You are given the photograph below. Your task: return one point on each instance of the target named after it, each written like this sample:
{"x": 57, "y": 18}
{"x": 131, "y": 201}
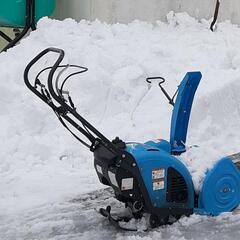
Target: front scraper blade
{"x": 124, "y": 222}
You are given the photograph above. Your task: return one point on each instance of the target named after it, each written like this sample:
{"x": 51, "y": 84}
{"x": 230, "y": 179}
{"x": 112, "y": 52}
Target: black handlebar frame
{"x": 65, "y": 110}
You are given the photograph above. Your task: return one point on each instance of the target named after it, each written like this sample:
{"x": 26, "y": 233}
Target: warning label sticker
{"x": 112, "y": 178}
{"x": 158, "y": 173}
{"x": 158, "y": 185}
{"x": 127, "y": 184}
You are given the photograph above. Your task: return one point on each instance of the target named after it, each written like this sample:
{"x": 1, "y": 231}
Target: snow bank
{"x": 40, "y": 161}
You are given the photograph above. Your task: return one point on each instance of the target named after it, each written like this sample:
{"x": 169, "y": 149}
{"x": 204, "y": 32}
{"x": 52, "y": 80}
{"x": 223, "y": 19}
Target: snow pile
{"x": 215, "y": 120}
{"x": 41, "y": 162}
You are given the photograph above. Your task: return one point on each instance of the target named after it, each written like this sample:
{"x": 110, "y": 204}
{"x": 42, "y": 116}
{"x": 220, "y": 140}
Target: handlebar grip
{"x": 40, "y": 55}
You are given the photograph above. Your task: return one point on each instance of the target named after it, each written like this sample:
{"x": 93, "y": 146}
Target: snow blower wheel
{"x": 156, "y": 221}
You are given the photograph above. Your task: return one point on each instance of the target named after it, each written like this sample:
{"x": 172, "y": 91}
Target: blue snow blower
{"x": 148, "y": 177}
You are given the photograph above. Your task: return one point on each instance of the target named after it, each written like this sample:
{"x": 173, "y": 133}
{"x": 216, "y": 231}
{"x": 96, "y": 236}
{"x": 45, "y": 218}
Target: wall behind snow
{"x": 125, "y": 11}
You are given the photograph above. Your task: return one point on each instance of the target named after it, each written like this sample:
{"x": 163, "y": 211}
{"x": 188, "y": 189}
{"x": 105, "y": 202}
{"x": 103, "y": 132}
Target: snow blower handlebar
{"x": 65, "y": 111}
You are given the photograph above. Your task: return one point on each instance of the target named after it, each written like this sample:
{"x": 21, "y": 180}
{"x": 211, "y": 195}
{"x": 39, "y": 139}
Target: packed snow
{"x": 43, "y": 167}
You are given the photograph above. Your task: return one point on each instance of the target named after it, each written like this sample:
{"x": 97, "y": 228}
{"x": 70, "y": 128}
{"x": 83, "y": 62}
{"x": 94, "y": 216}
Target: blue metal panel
{"x": 149, "y": 159}
{"x": 160, "y": 144}
{"x": 221, "y": 189}
{"x": 182, "y": 110}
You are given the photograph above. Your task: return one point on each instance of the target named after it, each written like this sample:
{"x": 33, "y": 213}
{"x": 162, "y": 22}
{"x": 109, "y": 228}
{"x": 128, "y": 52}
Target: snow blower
{"x": 147, "y": 177}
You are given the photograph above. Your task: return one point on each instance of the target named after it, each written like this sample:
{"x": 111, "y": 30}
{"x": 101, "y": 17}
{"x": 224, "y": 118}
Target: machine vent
{"x": 177, "y": 191}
